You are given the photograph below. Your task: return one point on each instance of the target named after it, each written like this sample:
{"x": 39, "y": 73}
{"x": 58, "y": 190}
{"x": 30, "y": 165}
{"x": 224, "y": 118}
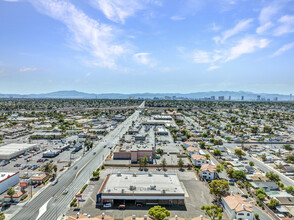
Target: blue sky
{"x": 130, "y": 46}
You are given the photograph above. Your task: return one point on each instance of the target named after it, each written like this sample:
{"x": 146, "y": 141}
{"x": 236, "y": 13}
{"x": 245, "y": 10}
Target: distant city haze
{"x": 156, "y": 46}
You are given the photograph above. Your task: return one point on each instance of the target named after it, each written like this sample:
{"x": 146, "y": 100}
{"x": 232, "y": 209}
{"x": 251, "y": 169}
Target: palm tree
{"x": 11, "y": 192}
{"x": 163, "y": 163}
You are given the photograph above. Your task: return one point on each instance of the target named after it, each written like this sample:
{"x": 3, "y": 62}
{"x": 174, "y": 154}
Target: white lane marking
{"x": 43, "y": 209}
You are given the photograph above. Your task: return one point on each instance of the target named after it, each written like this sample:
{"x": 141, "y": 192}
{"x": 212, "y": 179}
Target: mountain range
{"x": 73, "y": 94}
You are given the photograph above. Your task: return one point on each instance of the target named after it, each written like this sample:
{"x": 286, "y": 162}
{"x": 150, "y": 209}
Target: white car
{"x": 107, "y": 205}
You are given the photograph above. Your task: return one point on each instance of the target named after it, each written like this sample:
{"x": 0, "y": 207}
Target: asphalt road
{"x": 73, "y": 179}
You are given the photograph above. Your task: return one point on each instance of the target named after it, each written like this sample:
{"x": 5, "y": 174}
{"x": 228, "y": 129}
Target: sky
{"x": 136, "y": 46}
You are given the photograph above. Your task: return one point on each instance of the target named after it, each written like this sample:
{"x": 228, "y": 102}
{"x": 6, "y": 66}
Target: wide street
{"x": 52, "y": 203}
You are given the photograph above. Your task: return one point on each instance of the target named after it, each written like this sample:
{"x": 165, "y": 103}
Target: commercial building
{"x": 51, "y": 153}
{"x": 13, "y": 150}
{"x": 144, "y": 188}
{"x": 162, "y": 131}
{"x": 39, "y": 178}
{"x": 7, "y": 180}
{"x": 134, "y": 152}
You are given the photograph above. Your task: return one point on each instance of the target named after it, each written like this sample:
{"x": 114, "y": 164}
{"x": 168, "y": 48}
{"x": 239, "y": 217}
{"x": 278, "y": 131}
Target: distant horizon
{"x": 130, "y": 93}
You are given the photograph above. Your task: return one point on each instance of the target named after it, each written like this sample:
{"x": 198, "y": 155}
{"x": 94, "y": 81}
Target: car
{"x": 36, "y": 185}
{"x": 29, "y": 156}
{"x": 94, "y": 153}
{"x": 76, "y": 167}
{"x": 121, "y": 206}
{"x": 55, "y": 182}
{"x": 107, "y": 205}
{"x": 139, "y": 204}
{"x": 65, "y": 192}
{"x": 244, "y": 195}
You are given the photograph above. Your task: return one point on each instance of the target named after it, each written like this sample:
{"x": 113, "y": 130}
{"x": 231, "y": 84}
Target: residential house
{"x": 208, "y": 171}
{"x": 237, "y": 207}
{"x": 199, "y": 160}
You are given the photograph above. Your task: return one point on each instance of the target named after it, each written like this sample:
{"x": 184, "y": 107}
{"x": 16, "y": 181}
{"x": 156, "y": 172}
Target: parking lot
{"x": 196, "y": 195}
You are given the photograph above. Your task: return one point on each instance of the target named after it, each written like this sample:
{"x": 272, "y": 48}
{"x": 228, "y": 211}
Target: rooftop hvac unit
{"x": 153, "y": 187}
{"x": 122, "y": 190}
{"x": 149, "y": 174}
{"x": 165, "y": 174}
{"x": 163, "y": 191}
{"x": 118, "y": 174}
{"x": 134, "y": 174}
{"x": 132, "y": 187}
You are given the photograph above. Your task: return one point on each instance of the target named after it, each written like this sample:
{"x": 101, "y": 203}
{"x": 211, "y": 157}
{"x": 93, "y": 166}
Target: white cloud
{"x": 283, "y": 49}
{"x": 213, "y": 67}
{"x": 118, "y": 10}
{"x": 200, "y": 56}
{"x": 265, "y": 18}
{"x": 144, "y": 58}
{"x": 88, "y": 74}
{"x": 263, "y": 28}
{"x": 177, "y": 18}
{"x": 10, "y": 0}
{"x": 239, "y": 27}
{"x": 245, "y": 46}
{"x": 287, "y": 25}
{"x": 27, "y": 69}
{"x": 267, "y": 13}
{"x": 87, "y": 33}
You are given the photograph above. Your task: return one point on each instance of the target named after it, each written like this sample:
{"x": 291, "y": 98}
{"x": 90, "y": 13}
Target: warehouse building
{"x": 7, "y": 180}
{"x": 143, "y": 188}
{"x": 9, "y": 151}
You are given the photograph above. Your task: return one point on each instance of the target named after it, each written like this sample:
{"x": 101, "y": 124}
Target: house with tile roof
{"x": 208, "y": 171}
{"x": 237, "y": 207}
{"x": 199, "y": 160}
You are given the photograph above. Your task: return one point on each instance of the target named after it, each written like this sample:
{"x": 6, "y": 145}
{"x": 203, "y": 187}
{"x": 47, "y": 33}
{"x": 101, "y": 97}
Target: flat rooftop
{"x": 4, "y": 175}
{"x": 143, "y": 183}
{"x": 14, "y": 148}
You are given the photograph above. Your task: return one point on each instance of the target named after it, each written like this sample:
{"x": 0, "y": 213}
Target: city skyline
{"x": 99, "y": 46}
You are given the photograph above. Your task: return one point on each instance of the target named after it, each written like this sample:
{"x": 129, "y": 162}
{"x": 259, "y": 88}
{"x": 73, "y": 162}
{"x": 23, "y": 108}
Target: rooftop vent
{"x": 122, "y": 190}
{"x": 134, "y": 174}
{"x": 153, "y": 187}
{"x": 132, "y": 187}
{"x": 149, "y": 174}
{"x": 119, "y": 174}
{"x": 163, "y": 191}
{"x": 165, "y": 174}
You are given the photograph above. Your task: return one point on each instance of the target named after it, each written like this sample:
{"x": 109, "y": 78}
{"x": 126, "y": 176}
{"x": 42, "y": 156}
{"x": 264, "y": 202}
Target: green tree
{"x": 267, "y": 129}
{"x": 160, "y": 151}
{"x": 96, "y": 174}
{"x": 202, "y": 145}
{"x": 217, "y": 152}
{"x": 2, "y": 216}
{"x": 273, "y": 203}
{"x": 140, "y": 162}
{"x": 180, "y": 163}
{"x": 239, "y": 153}
{"x": 290, "y": 190}
{"x": 163, "y": 163}
{"x": 251, "y": 163}
{"x": 145, "y": 162}
{"x": 254, "y": 130}
{"x": 207, "y": 156}
{"x": 288, "y": 147}
{"x": 158, "y": 212}
{"x": 256, "y": 216}
{"x": 263, "y": 157}
{"x": 239, "y": 175}
{"x": 11, "y": 192}
{"x": 213, "y": 212}
{"x": 272, "y": 176}
{"x": 219, "y": 168}
{"x": 230, "y": 172}
{"x": 219, "y": 188}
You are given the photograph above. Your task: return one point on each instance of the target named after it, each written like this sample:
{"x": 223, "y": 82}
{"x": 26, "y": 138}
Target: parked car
{"x": 139, "y": 204}
{"x": 121, "y": 206}
{"x": 107, "y": 205}
{"x": 36, "y": 185}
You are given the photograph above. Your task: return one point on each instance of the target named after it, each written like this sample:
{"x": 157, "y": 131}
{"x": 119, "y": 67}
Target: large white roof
{"x": 13, "y": 148}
